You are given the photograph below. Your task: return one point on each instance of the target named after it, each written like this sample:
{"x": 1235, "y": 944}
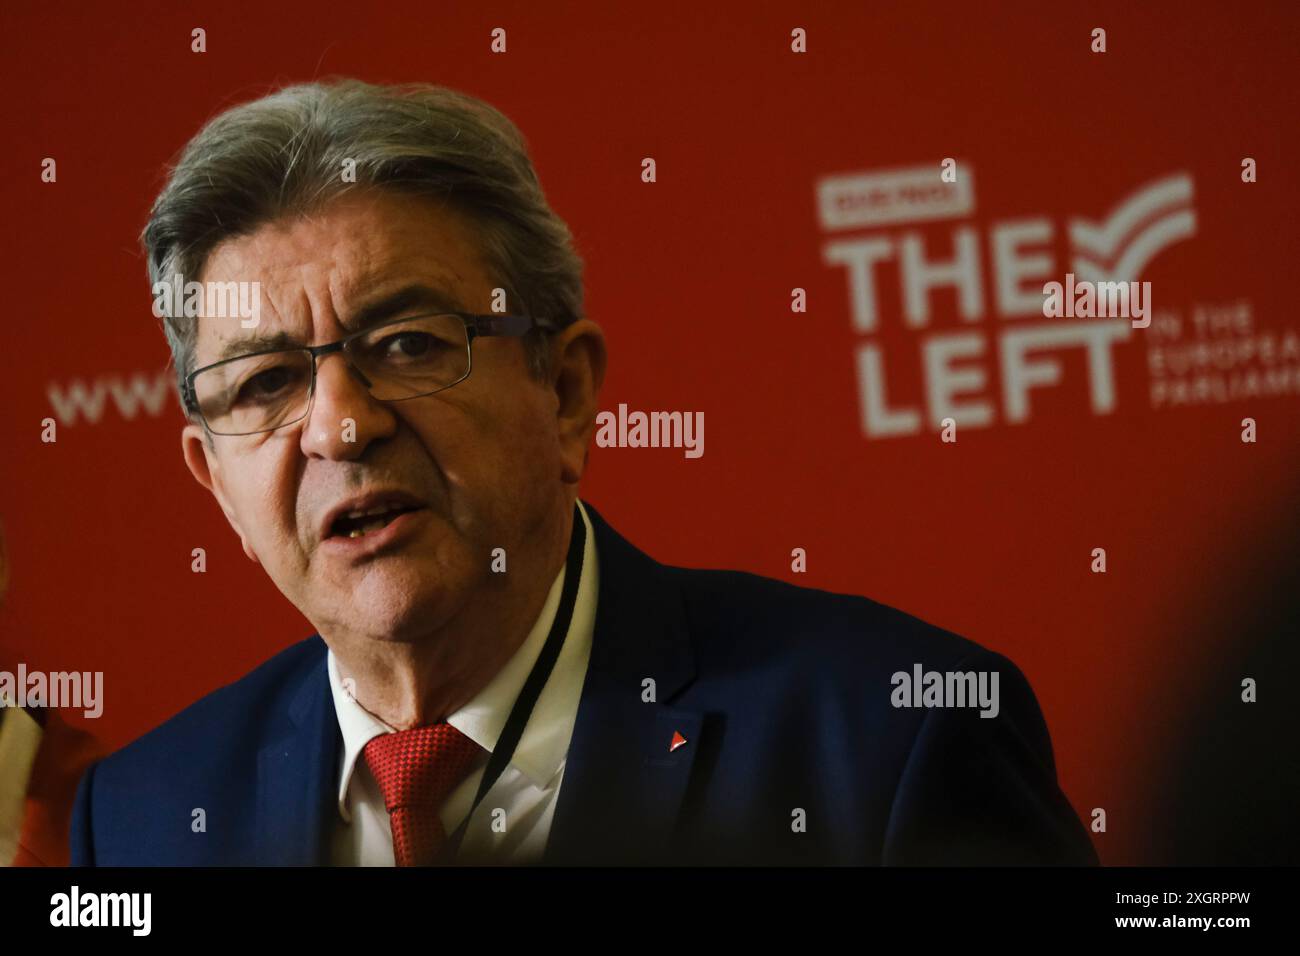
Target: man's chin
{"x": 395, "y": 604}
{"x": 392, "y": 624}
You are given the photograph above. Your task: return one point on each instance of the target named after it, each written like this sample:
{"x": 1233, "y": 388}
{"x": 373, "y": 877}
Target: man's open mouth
{"x": 356, "y": 524}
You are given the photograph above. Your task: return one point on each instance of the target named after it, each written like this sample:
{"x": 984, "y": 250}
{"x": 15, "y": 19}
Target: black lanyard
{"x": 532, "y": 689}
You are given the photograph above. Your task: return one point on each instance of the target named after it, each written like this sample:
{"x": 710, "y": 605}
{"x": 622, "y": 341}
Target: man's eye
{"x": 410, "y": 345}
{"x": 266, "y": 385}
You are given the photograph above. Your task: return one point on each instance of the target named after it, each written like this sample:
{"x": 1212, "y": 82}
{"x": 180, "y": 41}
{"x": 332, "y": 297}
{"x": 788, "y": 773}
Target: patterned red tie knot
{"x": 417, "y": 770}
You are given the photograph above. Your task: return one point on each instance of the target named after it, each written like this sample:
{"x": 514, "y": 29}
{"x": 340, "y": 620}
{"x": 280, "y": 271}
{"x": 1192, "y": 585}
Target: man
{"x": 397, "y": 435}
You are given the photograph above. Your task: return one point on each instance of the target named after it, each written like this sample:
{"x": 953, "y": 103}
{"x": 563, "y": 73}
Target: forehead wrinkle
{"x": 280, "y": 302}
{"x": 399, "y": 253}
{"x": 354, "y": 289}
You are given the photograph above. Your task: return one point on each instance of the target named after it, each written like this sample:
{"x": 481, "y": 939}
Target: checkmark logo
{"x": 1147, "y": 221}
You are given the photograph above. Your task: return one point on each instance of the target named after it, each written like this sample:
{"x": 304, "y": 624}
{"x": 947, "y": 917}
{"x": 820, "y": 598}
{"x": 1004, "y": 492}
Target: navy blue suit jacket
{"x": 794, "y": 754}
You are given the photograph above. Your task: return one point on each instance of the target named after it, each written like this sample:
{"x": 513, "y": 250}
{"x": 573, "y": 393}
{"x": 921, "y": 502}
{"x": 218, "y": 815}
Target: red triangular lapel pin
{"x": 677, "y": 741}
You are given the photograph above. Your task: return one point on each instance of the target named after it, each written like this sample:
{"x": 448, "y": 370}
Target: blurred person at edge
{"x": 41, "y": 760}
{"x": 397, "y": 438}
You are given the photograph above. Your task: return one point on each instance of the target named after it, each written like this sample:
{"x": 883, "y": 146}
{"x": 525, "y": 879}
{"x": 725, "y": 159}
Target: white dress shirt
{"x": 529, "y": 785}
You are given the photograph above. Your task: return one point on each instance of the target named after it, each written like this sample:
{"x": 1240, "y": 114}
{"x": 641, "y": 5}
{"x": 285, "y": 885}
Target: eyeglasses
{"x": 406, "y": 358}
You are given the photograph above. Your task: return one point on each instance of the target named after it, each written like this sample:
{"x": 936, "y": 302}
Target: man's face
{"x": 486, "y": 461}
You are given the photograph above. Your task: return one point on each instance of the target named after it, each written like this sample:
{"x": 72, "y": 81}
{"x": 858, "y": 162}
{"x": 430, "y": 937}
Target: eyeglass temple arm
{"x": 506, "y": 324}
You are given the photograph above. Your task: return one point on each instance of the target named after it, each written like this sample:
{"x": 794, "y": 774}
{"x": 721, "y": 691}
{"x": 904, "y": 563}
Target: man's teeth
{"x": 377, "y": 522}
{"x": 368, "y": 526}
{"x": 378, "y": 510}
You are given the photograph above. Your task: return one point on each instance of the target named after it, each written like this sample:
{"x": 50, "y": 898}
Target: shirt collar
{"x": 540, "y": 752}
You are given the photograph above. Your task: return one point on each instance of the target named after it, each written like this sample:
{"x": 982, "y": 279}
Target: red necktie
{"x": 416, "y": 770}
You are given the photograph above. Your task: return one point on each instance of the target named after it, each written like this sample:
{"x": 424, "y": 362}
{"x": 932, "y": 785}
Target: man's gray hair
{"x": 287, "y": 153}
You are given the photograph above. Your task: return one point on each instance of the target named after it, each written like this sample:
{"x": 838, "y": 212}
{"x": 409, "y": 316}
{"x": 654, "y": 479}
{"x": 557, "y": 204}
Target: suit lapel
{"x": 623, "y": 782}
{"x": 292, "y": 826}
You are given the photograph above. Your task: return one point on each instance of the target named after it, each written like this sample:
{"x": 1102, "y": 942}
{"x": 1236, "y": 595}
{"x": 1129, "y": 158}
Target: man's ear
{"x": 578, "y": 359}
{"x": 201, "y": 458}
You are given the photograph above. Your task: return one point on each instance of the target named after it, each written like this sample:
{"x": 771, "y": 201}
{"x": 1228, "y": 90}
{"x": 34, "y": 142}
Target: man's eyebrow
{"x": 265, "y": 342}
{"x": 410, "y": 298}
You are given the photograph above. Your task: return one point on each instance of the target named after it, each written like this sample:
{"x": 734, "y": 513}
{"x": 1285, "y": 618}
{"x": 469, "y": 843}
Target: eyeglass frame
{"x": 476, "y": 325}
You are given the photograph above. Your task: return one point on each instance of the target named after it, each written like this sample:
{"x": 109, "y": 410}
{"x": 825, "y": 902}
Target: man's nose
{"x": 344, "y": 417}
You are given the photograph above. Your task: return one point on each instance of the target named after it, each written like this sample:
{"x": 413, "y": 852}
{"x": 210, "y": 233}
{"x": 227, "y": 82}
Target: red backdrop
{"x": 767, "y": 164}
